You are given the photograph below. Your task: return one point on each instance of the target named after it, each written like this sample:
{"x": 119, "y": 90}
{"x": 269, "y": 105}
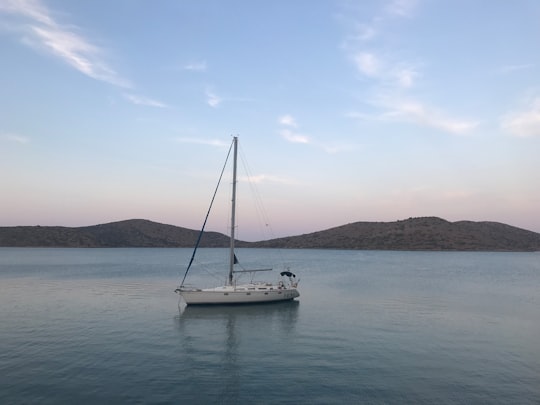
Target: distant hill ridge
{"x": 424, "y": 233}
{"x": 129, "y": 233}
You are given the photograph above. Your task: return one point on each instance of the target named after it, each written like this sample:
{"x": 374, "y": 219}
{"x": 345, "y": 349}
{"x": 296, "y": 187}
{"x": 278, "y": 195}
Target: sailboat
{"x": 232, "y": 292}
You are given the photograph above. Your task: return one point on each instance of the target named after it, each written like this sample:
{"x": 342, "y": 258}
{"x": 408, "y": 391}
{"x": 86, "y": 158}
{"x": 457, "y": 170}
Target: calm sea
{"x": 104, "y": 326}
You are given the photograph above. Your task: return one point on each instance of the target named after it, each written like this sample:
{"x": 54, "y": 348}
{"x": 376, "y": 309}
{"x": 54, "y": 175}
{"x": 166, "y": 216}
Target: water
{"x": 103, "y": 325}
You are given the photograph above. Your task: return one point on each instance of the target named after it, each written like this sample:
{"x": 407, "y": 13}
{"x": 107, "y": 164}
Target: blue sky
{"x": 346, "y": 110}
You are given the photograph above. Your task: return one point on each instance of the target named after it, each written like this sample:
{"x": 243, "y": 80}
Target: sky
{"x": 346, "y": 111}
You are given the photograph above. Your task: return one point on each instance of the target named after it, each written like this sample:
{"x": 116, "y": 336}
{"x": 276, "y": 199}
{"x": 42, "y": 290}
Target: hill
{"x": 130, "y": 233}
{"x": 426, "y": 233}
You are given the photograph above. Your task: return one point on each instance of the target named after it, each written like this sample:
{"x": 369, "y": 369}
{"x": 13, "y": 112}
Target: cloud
{"x": 367, "y": 63}
{"x": 371, "y": 53}
{"x": 524, "y": 123}
{"x": 401, "y": 8}
{"x": 260, "y": 178}
{"x": 365, "y": 32}
{"x": 390, "y": 74}
{"x": 196, "y": 66}
{"x": 338, "y": 148}
{"x": 44, "y": 33}
{"x": 362, "y": 32}
{"x": 287, "y": 120}
{"x": 14, "y": 138}
{"x": 378, "y": 68}
{"x": 417, "y": 113}
{"x": 514, "y": 68}
{"x": 290, "y": 135}
{"x": 140, "y": 100}
{"x": 405, "y": 77}
{"x": 29, "y": 8}
{"x": 212, "y": 99}
{"x": 294, "y": 137}
{"x": 199, "y": 141}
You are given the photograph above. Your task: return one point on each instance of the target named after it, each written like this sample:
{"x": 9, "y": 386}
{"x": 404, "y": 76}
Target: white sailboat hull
{"x": 232, "y": 295}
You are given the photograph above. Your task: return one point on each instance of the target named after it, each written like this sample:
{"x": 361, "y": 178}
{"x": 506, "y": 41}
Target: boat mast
{"x": 233, "y": 212}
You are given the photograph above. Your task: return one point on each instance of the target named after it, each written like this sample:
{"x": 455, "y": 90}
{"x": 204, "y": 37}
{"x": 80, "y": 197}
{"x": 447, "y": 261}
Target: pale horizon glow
{"x": 345, "y": 111}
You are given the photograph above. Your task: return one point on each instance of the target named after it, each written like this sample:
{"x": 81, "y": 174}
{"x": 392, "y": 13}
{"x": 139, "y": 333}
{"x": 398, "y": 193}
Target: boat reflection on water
{"x": 221, "y": 345}
{"x": 285, "y": 312}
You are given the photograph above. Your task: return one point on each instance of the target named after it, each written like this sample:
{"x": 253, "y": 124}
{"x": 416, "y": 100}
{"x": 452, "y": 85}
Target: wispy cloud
{"x": 200, "y": 141}
{"x": 140, "y": 100}
{"x": 260, "y": 178}
{"x": 212, "y": 99}
{"x": 43, "y": 32}
{"x": 339, "y": 147}
{"x": 524, "y": 123}
{"x": 514, "y": 68}
{"x": 405, "y": 77}
{"x": 367, "y": 63}
{"x": 391, "y": 77}
{"x": 199, "y": 66}
{"x": 7, "y": 137}
{"x": 29, "y": 8}
{"x": 294, "y": 137}
{"x": 385, "y": 71}
{"x": 419, "y": 114}
{"x": 410, "y": 111}
{"x": 287, "y": 120}
{"x": 401, "y": 8}
{"x": 364, "y": 37}
{"x": 290, "y": 133}
{"x": 362, "y": 31}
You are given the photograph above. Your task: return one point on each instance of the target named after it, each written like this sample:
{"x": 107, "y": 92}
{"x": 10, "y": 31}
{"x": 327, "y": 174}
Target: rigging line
{"x": 207, "y": 215}
{"x": 210, "y": 273}
{"x": 262, "y": 215}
